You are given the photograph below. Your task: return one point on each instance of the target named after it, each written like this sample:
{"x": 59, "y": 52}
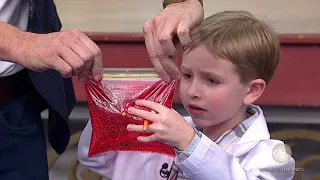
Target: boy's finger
{"x": 156, "y": 107}
{"x": 140, "y": 128}
{"x": 146, "y": 139}
{"x": 142, "y": 113}
{"x": 136, "y": 128}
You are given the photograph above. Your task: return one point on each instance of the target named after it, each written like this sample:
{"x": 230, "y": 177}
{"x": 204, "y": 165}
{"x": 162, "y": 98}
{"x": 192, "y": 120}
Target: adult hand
{"x": 168, "y": 126}
{"x": 176, "y": 19}
{"x": 70, "y": 53}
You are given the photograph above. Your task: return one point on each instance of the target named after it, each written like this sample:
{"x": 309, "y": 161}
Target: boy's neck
{"x": 215, "y": 131}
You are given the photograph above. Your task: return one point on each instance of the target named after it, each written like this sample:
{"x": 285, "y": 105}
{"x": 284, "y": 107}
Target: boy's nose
{"x": 194, "y": 90}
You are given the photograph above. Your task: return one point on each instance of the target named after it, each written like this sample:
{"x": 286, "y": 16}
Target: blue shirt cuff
{"x": 183, "y": 155}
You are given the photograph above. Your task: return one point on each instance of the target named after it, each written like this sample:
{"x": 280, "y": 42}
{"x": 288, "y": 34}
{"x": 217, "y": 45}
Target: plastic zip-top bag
{"x": 108, "y": 101}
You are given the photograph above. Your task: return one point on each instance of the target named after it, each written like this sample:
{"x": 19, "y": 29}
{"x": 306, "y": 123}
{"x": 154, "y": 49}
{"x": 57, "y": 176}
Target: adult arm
{"x": 69, "y": 52}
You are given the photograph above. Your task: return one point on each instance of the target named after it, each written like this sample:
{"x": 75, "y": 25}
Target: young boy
{"x": 232, "y": 58}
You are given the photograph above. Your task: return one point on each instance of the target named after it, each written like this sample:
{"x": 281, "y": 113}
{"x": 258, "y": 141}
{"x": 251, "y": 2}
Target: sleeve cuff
{"x": 183, "y": 155}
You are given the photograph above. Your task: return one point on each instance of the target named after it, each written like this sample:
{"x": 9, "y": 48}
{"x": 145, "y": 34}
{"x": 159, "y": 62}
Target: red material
{"x": 296, "y": 81}
{"x": 108, "y": 100}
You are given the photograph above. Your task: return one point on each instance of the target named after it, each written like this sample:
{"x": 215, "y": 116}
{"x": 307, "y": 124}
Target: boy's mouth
{"x": 195, "y": 110}
{"x": 195, "y": 107}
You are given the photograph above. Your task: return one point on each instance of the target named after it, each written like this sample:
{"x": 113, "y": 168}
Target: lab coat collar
{"x": 256, "y": 132}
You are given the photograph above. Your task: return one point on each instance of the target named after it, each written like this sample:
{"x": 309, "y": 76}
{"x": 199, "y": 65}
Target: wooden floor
{"x": 286, "y": 16}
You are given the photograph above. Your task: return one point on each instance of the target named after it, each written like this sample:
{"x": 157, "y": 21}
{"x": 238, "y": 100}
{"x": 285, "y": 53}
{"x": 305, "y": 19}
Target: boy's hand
{"x": 168, "y": 126}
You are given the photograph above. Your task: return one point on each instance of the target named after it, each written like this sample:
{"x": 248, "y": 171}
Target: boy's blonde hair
{"x": 247, "y": 42}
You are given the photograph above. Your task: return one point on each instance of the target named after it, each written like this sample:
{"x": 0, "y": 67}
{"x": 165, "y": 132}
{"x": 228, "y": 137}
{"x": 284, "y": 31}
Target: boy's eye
{"x": 212, "y": 81}
{"x": 186, "y": 76}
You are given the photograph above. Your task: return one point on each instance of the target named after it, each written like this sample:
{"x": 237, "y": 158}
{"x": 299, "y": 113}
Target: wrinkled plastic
{"x": 108, "y": 101}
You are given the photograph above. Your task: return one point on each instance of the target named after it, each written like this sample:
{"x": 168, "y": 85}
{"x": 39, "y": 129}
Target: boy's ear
{"x": 256, "y": 88}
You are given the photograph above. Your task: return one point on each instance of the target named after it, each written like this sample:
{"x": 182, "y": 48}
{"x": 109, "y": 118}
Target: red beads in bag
{"x": 108, "y": 101}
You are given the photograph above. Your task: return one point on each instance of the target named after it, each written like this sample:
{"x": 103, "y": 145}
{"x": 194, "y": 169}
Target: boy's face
{"x": 210, "y": 88}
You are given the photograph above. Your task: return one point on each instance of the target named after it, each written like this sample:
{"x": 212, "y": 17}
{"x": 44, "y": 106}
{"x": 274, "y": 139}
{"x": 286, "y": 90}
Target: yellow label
{"x": 128, "y": 75}
{"x": 129, "y": 72}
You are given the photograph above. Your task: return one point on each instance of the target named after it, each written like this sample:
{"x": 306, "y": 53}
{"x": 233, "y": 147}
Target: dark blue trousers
{"x": 22, "y": 140}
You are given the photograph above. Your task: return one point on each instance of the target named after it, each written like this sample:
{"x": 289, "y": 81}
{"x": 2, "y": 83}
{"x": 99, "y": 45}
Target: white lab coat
{"x": 208, "y": 162}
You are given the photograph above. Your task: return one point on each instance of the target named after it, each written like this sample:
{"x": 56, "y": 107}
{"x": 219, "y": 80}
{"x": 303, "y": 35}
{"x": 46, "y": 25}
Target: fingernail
{"x": 129, "y": 127}
{"x": 97, "y": 77}
{"x": 166, "y": 78}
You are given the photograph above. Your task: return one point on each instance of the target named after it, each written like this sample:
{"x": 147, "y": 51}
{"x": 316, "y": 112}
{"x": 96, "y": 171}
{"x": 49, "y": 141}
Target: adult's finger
{"x": 166, "y": 37}
{"x": 149, "y": 32}
{"x": 97, "y": 68}
{"x": 164, "y": 27}
{"x": 86, "y": 55}
{"x": 183, "y": 32}
{"x": 166, "y": 49}
{"x": 62, "y": 67}
{"x": 72, "y": 59}
{"x": 171, "y": 67}
{"x": 168, "y": 64}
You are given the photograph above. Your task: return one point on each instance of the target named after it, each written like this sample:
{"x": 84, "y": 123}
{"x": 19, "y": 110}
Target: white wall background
{"x": 286, "y": 16}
